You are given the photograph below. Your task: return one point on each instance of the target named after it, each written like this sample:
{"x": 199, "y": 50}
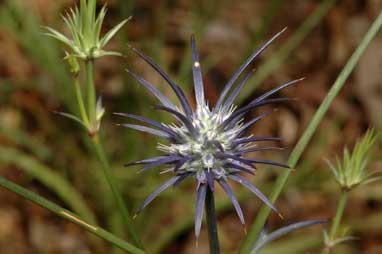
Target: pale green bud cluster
{"x": 352, "y": 171}
{"x": 85, "y": 28}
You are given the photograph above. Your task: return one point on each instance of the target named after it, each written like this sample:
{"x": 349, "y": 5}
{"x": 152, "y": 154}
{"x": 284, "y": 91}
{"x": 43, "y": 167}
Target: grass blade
{"x": 37, "y": 199}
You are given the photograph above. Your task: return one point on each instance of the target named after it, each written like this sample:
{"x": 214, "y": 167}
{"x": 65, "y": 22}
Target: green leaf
{"x": 72, "y": 117}
{"x": 54, "y": 208}
{"x": 58, "y": 36}
{"x": 98, "y": 25}
{"x": 283, "y": 231}
{"x": 112, "y": 32}
{"x": 343, "y": 239}
{"x": 49, "y": 178}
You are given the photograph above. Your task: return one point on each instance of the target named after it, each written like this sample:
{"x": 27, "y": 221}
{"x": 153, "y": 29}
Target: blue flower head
{"x": 207, "y": 144}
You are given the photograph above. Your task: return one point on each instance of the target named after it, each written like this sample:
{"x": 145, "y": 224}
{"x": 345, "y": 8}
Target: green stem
{"x": 91, "y": 95}
{"x": 116, "y": 193}
{"x": 336, "y": 222}
{"x": 339, "y": 213}
{"x": 211, "y": 223}
{"x": 307, "y": 135}
{"x": 80, "y": 101}
{"x": 114, "y": 240}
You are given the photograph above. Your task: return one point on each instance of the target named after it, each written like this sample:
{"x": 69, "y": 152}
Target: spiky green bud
{"x": 85, "y": 28}
{"x": 351, "y": 171}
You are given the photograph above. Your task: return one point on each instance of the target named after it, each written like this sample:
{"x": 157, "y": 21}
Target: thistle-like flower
{"x": 85, "y": 29}
{"x": 207, "y": 144}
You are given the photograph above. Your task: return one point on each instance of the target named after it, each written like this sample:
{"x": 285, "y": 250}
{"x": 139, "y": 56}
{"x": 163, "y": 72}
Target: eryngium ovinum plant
{"x": 350, "y": 172}
{"x": 207, "y": 144}
{"x": 86, "y": 44}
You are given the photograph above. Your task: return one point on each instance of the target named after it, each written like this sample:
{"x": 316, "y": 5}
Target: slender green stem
{"x": 307, "y": 135}
{"x": 211, "y": 223}
{"x": 101, "y": 155}
{"x": 54, "y": 208}
{"x": 91, "y": 95}
{"x": 116, "y": 193}
{"x": 80, "y": 101}
{"x": 337, "y": 219}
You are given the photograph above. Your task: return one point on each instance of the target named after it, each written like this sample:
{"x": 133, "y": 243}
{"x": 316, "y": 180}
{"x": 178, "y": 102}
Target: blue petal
{"x": 238, "y": 114}
{"x": 256, "y": 191}
{"x": 180, "y": 116}
{"x": 151, "y": 122}
{"x": 200, "y": 201}
{"x": 234, "y": 201}
{"x": 253, "y": 139}
{"x": 253, "y": 121}
{"x": 236, "y": 91}
{"x": 148, "y": 130}
{"x": 236, "y": 75}
{"x": 179, "y": 93}
{"x": 182, "y": 178}
{"x": 275, "y": 90}
{"x": 160, "y": 189}
{"x": 153, "y": 90}
{"x": 256, "y": 149}
{"x": 197, "y": 74}
{"x": 269, "y": 163}
{"x": 239, "y": 167}
{"x": 145, "y": 161}
{"x": 166, "y": 160}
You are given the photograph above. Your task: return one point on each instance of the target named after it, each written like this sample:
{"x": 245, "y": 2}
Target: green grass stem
{"x": 54, "y": 208}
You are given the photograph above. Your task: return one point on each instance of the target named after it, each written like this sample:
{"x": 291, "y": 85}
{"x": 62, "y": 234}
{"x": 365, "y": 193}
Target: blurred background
{"x": 49, "y": 155}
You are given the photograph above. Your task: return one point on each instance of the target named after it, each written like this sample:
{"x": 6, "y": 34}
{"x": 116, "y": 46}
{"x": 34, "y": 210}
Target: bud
{"x": 352, "y": 170}
{"x": 85, "y": 29}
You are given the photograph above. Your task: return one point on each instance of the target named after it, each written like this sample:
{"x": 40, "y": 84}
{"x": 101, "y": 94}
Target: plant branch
{"x": 115, "y": 191}
{"x": 307, "y": 135}
{"x": 91, "y": 95}
{"x": 80, "y": 101}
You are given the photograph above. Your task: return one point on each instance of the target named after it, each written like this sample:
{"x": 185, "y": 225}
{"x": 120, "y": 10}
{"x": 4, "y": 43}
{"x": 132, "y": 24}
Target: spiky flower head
{"x": 352, "y": 171}
{"x": 85, "y": 29}
{"x": 207, "y": 144}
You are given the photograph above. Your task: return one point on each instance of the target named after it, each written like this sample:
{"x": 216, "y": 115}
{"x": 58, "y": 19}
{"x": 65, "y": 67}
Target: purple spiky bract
{"x": 207, "y": 144}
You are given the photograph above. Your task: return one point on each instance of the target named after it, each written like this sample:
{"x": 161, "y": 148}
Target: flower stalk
{"x": 91, "y": 95}
{"x": 101, "y": 155}
{"x": 211, "y": 223}
{"x": 350, "y": 173}
{"x": 86, "y": 45}
{"x": 339, "y": 213}
{"x": 80, "y": 100}
{"x": 336, "y": 222}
